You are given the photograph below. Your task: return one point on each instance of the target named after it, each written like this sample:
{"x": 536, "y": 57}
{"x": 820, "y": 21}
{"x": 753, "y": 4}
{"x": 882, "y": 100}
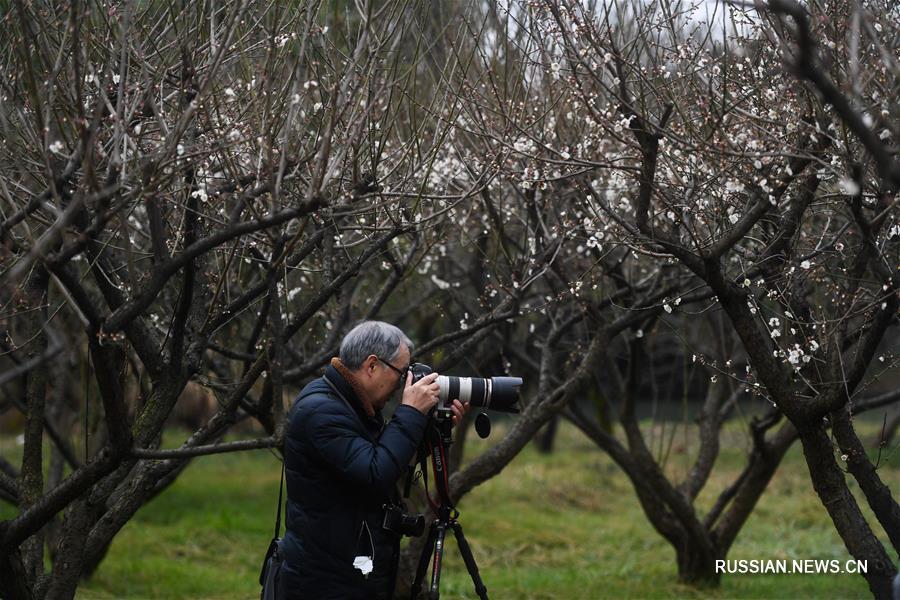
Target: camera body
{"x": 398, "y": 521}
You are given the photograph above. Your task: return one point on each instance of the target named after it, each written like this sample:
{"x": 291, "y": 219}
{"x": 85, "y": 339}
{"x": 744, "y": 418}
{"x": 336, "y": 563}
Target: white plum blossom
{"x": 56, "y": 147}
{"x": 848, "y": 186}
{"x": 554, "y": 69}
{"x": 440, "y": 283}
{"x": 733, "y": 186}
{"x": 525, "y": 146}
{"x": 796, "y": 355}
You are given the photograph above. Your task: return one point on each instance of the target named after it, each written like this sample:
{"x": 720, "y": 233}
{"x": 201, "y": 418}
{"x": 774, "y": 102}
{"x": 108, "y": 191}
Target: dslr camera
{"x": 494, "y": 393}
{"x": 398, "y": 521}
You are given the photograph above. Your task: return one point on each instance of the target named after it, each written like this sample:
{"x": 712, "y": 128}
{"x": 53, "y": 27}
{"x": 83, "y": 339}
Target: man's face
{"x": 387, "y": 376}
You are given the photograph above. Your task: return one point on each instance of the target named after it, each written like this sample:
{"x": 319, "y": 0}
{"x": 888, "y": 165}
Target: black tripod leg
{"x": 466, "y": 552}
{"x": 435, "y": 592}
{"x": 422, "y": 567}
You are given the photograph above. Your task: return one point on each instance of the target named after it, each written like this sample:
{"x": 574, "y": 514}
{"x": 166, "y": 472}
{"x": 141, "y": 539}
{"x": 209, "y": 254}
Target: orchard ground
{"x": 564, "y": 525}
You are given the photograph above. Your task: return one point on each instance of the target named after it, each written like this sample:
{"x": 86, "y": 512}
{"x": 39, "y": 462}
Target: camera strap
{"x": 410, "y": 475}
{"x": 280, "y": 496}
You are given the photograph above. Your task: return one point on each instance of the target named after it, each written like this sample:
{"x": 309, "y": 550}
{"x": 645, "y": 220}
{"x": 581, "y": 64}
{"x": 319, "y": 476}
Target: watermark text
{"x": 804, "y": 566}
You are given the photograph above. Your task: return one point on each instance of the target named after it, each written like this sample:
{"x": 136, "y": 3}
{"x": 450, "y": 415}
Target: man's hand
{"x": 423, "y": 395}
{"x": 459, "y": 410}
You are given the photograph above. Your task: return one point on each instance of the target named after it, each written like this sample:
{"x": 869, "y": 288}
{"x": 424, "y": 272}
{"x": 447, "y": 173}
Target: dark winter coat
{"x": 342, "y": 464}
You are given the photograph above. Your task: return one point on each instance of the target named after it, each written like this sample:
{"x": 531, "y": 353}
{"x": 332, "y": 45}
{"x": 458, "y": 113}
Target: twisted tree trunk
{"x": 831, "y": 486}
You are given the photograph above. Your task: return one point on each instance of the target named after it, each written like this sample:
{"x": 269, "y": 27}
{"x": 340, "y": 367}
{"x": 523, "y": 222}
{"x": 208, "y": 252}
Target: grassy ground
{"x": 560, "y": 526}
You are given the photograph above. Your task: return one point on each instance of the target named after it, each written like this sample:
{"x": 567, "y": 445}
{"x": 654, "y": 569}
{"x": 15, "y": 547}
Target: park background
{"x": 677, "y": 221}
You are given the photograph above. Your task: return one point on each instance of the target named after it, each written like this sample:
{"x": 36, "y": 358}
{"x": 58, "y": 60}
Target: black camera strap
{"x": 280, "y": 497}
{"x": 410, "y": 475}
{"x": 272, "y": 561}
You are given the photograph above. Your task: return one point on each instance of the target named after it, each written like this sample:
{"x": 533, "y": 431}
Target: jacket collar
{"x": 342, "y": 379}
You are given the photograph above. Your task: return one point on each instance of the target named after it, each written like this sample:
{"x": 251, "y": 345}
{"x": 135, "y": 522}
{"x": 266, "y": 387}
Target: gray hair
{"x": 372, "y": 337}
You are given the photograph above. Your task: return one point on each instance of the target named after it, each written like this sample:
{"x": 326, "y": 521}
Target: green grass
{"x": 566, "y": 525}
{"x": 203, "y": 538}
{"x": 569, "y": 526}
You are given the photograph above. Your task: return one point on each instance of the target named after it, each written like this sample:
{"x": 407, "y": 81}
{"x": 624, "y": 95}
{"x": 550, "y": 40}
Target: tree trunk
{"x": 13, "y": 584}
{"x": 696, "y": 566}
{"x": 102, "y": 536}
{"x": 742, "y": 496}
{"x": 695, "y": 549}
{"x": 32, "y": 485}
{"x": 70, "y": 553}
{"x": 62, "y": 411}
{"x": 877, "y": 493}
{"x": 548, "y": 436}
{"x": 829, "y": 483}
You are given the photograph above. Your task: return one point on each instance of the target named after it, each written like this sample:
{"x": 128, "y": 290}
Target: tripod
{"x": 439, "y": 440}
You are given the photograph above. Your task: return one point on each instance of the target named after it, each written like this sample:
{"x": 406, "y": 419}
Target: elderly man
{"x": 343, "y": 463}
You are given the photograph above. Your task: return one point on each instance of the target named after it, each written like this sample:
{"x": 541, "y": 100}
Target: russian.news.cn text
{"x": 807, "y": 566}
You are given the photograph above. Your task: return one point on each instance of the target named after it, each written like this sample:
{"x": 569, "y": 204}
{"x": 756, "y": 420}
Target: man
{"x": 342, "y": 464}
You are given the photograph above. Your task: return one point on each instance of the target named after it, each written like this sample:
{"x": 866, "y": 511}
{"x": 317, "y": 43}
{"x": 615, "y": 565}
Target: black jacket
{"x": 341, "y": 467}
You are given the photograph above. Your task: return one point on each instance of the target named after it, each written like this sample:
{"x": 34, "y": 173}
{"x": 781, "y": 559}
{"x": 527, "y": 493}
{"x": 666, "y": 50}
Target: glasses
{"x": 401, "y": 372}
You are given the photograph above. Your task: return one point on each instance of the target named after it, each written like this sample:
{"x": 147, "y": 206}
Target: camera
{"x": 496, "y": 393}
{"x": 397, "y": 521}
